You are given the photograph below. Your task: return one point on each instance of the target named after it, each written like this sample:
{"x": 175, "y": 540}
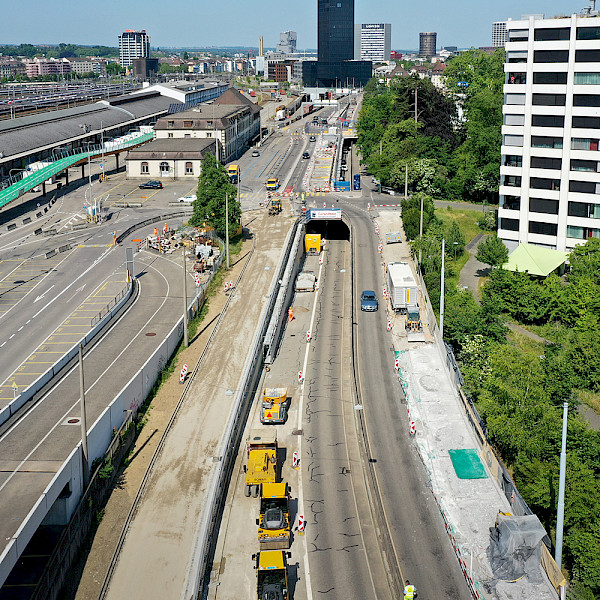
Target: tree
{"x": 411, "y": 214}
{"x": 585, "y": 261}
{"x": 455, "y": 240}
{"x": 186, "y": 56}
{"x": 492, "y": 251}
{"x": 114, "y": 68}
{"x": 209, "y": 206}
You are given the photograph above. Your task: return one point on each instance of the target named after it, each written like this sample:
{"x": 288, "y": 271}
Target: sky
{"x": 197, "y": 23}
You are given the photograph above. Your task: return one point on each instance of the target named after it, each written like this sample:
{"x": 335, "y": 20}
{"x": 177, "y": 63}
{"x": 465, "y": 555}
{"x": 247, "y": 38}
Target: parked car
{"x": 151, "y": 185}
{"x": 305, "y": 155}
{"x": 255, "y": 153}
{"x": 368, "y": 301}
{"x": 187, "y": 199}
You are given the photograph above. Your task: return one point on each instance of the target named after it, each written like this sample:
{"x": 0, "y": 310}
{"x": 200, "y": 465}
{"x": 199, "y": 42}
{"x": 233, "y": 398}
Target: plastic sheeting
{"x": 515, "y": 548}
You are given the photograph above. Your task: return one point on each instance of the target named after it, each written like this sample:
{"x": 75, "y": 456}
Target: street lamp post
{"x": 455, "y": 245}
{"x": 90, "y": 174}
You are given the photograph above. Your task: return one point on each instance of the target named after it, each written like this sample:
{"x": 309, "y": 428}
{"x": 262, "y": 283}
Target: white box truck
{"x": 402, "y": 286}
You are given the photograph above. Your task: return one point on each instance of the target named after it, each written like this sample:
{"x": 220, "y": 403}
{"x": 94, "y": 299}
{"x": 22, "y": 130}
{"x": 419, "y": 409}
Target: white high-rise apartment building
{"x": 133, "y": 44}
{"x": 499, "y": 34}
{"x": 373, "y": 41}
{"x": 550, "y": 173}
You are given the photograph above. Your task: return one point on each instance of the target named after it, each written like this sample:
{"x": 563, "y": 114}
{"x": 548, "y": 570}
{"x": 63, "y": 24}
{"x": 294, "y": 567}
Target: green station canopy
{"x": 535, "y": 260}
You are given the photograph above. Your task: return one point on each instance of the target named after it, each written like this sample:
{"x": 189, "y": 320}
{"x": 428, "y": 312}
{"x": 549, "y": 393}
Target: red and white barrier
{"x": 389, "y": 325}
{"x": 231, "y": 285}
{"x": 300, "y": 377}
{"x": 412, "y": 428}
{"x": 301, "y": 524}
{"x": 183, "y": 373}
{"x": 321, "y": 259}
{"x": 380, "y": 248}
{"x": 226, "y": 287}
{"x": 397, "y": 364}
{"x": 316, "y": 285}
{"x": 295, "y": 460}
{"x": 308, "y": 336}
{"x": 197, "y": 279}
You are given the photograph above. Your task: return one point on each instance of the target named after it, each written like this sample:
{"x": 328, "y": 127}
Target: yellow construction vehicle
{"x": 274, "y": 406}
{"x": 271, "y": 574}
{"x": 272, "y": 183}
{"x": 262, "y": 460}
{"x": 275, "y": 206}
{"x": 312, "y": 243}
{"x": 274, "y": 521}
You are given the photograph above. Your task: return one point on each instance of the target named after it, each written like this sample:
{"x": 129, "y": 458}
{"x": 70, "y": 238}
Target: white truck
{"x": 402, "y": 286}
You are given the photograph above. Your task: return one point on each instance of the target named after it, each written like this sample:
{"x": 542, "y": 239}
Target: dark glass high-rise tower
{"x": 335, "y": 65}
{"x": 335, "y": 30}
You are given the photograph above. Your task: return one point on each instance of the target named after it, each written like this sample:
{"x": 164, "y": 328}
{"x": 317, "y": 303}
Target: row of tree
{"x": 450, "y": 142}
{"x": 58, "y": 51}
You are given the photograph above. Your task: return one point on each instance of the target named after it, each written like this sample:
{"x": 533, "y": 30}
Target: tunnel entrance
{"x": 331, "y": 229}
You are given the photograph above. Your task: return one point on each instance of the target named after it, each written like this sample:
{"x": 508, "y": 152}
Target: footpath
{"x": 154, "y": 559}
{"x": 469, "y": 506}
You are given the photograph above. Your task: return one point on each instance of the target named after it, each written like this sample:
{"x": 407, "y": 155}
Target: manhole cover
{"x": 72, "y": 421}
{"x": 150, "y": 334}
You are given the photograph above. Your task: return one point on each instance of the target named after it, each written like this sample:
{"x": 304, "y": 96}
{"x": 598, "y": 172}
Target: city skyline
{"x": 63, "y": 21}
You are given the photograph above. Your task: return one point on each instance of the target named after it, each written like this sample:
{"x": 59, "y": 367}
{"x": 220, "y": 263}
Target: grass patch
{"x": 466, "y": 219}
{"x": 525, "y": 344}
{"x": 591, "y": 399}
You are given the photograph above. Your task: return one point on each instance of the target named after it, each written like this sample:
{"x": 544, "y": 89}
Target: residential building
{"x": 287, "y": 42}
{"x": 38, "y": 67}
{"x": 86, "y": 65}
{"x": 10, "y": 67}
{"x": 133, "y": 44}
{"x": 499, "y": 34}
{"x": 232, "y": 120}
{"x": 427, "y": 44}
{"x": 335, "y": 37}
{"x": 373, "y": 41}
{"x": 550, "y": 173}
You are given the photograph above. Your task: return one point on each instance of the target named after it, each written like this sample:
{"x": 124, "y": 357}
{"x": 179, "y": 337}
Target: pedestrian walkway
{"x": 474, "y": 270}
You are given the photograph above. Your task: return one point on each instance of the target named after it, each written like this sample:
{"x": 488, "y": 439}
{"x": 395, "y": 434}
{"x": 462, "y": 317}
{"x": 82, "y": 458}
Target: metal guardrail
{"x": 18, "y": 185}
{"x": 106, "y": 309}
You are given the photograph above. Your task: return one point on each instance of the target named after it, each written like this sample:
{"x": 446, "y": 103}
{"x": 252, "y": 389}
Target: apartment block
{"x": 373, "y": 41}
{"x": 499, "y": 34}
{"x": 550, "y": 170}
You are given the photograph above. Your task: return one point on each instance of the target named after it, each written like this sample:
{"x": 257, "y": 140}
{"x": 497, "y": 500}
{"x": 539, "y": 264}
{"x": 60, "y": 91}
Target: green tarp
{"x": 467, "y": 464}
{"x": 535, "y": 260}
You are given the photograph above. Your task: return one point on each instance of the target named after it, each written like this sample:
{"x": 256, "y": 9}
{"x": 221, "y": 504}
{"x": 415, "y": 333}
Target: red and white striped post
{"x": 300, "y": 377}
{"x": 389, "y": 325}
{"x": 183, "y": 373}
{"x": 295, "y": 460}
{"x": 308, "y": 336}
{"x": 301, "y": 524}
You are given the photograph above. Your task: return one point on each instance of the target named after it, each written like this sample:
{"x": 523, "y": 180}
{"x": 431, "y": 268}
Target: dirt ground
{"x": 87, "y": 577}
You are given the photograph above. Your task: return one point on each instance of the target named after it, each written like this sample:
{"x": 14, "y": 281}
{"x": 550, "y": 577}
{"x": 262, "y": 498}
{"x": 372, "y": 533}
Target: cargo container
{"x": 402, "y": 286}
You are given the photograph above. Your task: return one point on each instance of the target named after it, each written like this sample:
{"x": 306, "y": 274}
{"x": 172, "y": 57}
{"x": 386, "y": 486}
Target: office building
{"x": 550, "y": 174}
{"x": 133, "y": 44}
{"x": 427, "y": 44}
{"x": 287, "y": 42}
{"x": 499, "y": 34}
{"x": 373, "y": 41}
{"x": 335, "y": 36}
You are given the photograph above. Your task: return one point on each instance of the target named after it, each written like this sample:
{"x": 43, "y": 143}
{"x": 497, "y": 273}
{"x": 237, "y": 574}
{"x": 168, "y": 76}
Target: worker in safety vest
{"x": 410, "y": 591}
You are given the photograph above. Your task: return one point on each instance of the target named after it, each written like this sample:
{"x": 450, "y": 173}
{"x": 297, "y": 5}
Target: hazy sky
{"x": 174, "y": 23}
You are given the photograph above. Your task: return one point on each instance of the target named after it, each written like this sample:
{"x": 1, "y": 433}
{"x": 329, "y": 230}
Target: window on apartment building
{"x": 541, "y": 183}
{"x": 586, "y": 79}
{"x": 509, "y": 224}
{"x": 516, "y": 57}
{"x": 582, "y": 233}
{"x": 553, "y": 33}
{"x": 518, "y": 78}
{"x": 187, "y": 135}
{"x": 587, "y": 56}
{"x": 584, "y": 144}
{"x": 541, "y": 162}
{"x": 169, "y": 135}
{"x": 584, "y": 187}
{"x": 144, "y": 168}
{"x": 588, "y": 33}
{"x": 512, "y": 180}
{"x": 549, "y": 78}
{"x": 512, "y": 160}
{"x": 518, "y": 35}
{"x": 546, "y": 141}
{"x": 514, "y": 119}
{"x": 542, "y": 205}
{"x": 550, "y": 56}
{"x": 511, "y": 202}
{"x": 549, "y": 99}
{"x": 188, "y": 124}
{"x": 586, "y": 166}
{"x": 586, "y": 122}
{"x": 543, "y": 228}
{"x": 513, "y": 140}
{"x": 586, "y": 100}
{"x": 171, "y": 124}
{"x": 584, "y": 209}
{"x": 209, "y": 123}
{"x": 547, "y": 120}
{"x": 518, "y": 99}
{"x": 209, "y": 134}
{"x": 189, "y": 168}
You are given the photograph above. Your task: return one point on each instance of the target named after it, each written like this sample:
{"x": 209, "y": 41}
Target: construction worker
{"x": 410, "y": 591}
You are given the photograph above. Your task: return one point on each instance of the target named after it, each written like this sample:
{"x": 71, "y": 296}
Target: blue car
{"x": 368, "y": 301}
